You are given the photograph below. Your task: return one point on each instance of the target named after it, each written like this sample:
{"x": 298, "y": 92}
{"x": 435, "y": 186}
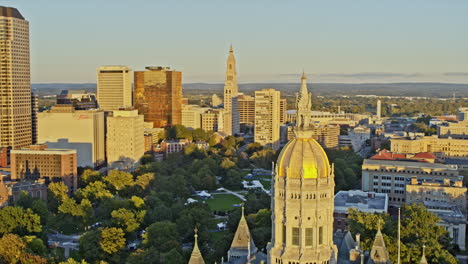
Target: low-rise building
{"x": 453, "y": 129}
{"x": 367, "y": 202}
{"x": 173, "y": 146}
{"x": 191, "y": 116}
{"x": 391, "y": 177}
{"x": 326, "y": 135}
{"x": 79, "y": 99}
{"x": 452, "y": 219}
{"x": 454, "y": 193}
{"x": 442, "y": 147}
{"x": 38, "y": 162}
{"x": 356, "y": 138}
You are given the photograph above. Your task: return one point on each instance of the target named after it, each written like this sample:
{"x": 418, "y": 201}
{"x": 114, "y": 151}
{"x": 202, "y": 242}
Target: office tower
{"x": 283, "y": 109}
{"x": 246, "y": 106}
{"x": 66, "y": 128}
{"x": 38, "y": 161}
{"x": 158, "y": 95}
{"x": 114, "y": 87}
{"x": 125, "y": 139}
{"x": 15, "y": 83}
{"x": 267, "y": 111}
{"x": 213, "y": 120}
{"x": 302, "y": 197}
{"x": 34, "y": 109}
{"x": 230, "y": 96}
{"x": 379, "y": 109}
{"x": 191, "y": 116}
{"x": 216, "y": 101}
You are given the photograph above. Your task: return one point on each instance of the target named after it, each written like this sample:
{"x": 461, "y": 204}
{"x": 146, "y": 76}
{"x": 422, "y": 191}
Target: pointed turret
{"x": 196, "y": 257}
{"x": 242, "y": 245}
{"x": 423, "y": 258}
{"x": 379, "y": 253}
{"x": 304, "y": 110}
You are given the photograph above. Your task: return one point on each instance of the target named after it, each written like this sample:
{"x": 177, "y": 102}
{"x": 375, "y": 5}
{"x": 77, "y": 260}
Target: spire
{"x": 231, "y": 49}
{"x": 379, "y": 253}
{"x": 304, "y": 109}
{"x": 196, "y": 257}
{"x": 242, "y": 244}
{"x": 423, "y": 258}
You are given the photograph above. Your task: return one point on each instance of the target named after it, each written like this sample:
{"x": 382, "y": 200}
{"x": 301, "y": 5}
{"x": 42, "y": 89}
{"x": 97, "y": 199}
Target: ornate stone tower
{"x": 303, "y": 190}
{"x": 231, "y": 91}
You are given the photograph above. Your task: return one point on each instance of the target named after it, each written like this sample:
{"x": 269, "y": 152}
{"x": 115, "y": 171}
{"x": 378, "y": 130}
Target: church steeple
{"x": 242, "y": 245}
{"x": 379, "y": 253}
{"x": 196, "y": 257}
{"x": 423, "y": 258}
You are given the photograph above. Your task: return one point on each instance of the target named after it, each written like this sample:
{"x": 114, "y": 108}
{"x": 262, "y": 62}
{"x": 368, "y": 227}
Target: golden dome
{"x": 303, "y": 157}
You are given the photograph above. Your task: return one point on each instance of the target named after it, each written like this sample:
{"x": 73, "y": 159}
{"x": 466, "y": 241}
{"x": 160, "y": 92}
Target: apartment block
{"x": 267, "y": 124}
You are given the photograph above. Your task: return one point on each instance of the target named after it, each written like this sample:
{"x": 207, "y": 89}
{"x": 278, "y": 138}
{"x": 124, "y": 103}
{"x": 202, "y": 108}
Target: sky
{"x": 347, "y": 41}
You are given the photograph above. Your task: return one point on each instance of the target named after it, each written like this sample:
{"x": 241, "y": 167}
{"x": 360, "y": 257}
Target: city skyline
{"x": 361, "y": 42}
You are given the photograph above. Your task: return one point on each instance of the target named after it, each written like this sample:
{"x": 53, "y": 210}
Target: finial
{"x": 196, "y": 234}
{"x": 303, "y": 75}
{"x": 242, "y": 208}
{"x": 378, "y": 225}
{"x": 231, "y": 49}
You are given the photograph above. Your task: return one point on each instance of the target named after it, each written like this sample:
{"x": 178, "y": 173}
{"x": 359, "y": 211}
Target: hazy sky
{"x": 333, "y": 41}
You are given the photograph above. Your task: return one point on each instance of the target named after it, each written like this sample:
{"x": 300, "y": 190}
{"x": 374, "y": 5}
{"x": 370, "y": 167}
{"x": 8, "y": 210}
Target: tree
{"x": 144, "y": 180}
{"x": 127, "y": 219}
{"x": 11, "y": 249}
{"x": 18, "y": 220}
{"x": 89, "y": 246}
{"x": 95, "y": 191}
{"x": 88, "y": 176}
{"x": 119, "y": 179}
{"x": 419, "y": 227}
{"x": 253, "y": 147}
{"x": 173, "y": 256}
{"x": 59, "y": 190}
{"x": 162, "y": 235}
{"x": 147, "y": 158}
{"x": 112, "y": 240}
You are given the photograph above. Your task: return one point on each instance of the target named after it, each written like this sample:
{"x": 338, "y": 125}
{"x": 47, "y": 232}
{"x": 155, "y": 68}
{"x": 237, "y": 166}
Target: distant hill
{"x": 325, "y": 89}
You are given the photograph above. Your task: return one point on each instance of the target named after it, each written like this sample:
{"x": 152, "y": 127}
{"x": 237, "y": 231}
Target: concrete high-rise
{"x": 303, "y": 197}
{"x": 64, "y": 127}
{"x": 114, "y": 87}
{"x": 283, "y": 109}
{"x": 246, "y": 104}
{"x": 158, "y": 95}
{"x": 125, "y": 139}
{"x": 267, "y": 118}
{"x": 231, "y": 91}
{"x": 15, "y": 83}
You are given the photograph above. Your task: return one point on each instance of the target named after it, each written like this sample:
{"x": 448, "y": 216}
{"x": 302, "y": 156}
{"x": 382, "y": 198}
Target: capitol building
{"x": 302, "y": 208}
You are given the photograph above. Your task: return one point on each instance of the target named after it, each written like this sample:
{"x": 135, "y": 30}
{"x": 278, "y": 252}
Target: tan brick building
{"x": 38, "y": 162}
{"x": 440, "y": 146}
{"x": 452, "y": 192}
{"x": 158, "y": 95}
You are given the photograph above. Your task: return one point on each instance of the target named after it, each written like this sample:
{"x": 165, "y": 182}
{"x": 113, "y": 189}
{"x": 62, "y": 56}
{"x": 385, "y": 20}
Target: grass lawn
{"x": 223, "y": 202}
{"x": 266, "y": 184}
{"x": 218, "y": 235}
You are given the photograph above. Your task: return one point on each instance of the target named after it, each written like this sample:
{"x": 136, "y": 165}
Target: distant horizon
{"x": 240, "y": 83}
{"x": 338, "y": 41}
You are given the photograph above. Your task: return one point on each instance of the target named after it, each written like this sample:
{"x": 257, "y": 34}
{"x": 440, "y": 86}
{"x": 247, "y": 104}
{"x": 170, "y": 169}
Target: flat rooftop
{"x": 363, "y": 201}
